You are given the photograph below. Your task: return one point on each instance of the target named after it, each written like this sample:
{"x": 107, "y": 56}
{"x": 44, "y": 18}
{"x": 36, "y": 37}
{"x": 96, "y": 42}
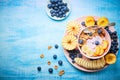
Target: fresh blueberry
{"x": 55, "y": 8}
{"x": 97, "y": 42}
{"x": 56, "y": 46}
{"x": 79, "y": 55}
{"x": 53, "y": 14}
{"x": 60, "y": 0}
{"x": 81, "y": 41}
{"x": 54, "y": 56}
{"x": 72, "y": 57}
{"x": 64, "y": 15}
{"x": 60, "y": 62}
{"x": 109, "y": 32}
{"x": 73, "y": 61}
{"x": 51, "y": 11}
{"x": 57, "y": 15}
{"x": 83, "y": 23}
{"x": 90, "y": 34}
{"x": 49, "y": 6}
{"x": 60, "y": 13}
{"x": 60, "y": 7}
{"x": 75, "y": 55}
{"x": 39, "y": 68}
{"x": 65, "y": 8}
{"x": 106, "y": 28}
{"x": 99, "y": 31}
{"x": 50, "y": 70}
{"x": 65, "y": 4}
{"x": 114, "y": 33}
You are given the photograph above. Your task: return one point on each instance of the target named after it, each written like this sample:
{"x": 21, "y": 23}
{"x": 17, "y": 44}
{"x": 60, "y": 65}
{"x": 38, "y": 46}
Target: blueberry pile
{"x": 73, "y": 54}
{"x": 58, "y": 8}
{"x": 114, "y": 38}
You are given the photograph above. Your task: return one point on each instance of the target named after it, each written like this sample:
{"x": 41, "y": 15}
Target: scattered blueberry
{"x": 83, "y": 23}
{"x": 50, "y": 70}
{"x": 56, "y": 46}
{"x": 60, "y": 62}
{"x": 81, "y": 41}
{"x": 97, "y": 42}
{"x": 99, "y": 31}
{"x": 39, "y": 68}
{"x": 54, "y": 56}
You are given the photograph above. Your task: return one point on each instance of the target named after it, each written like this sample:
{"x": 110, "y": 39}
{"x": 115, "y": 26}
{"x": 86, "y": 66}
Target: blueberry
{"x": 64, "y": 15}
{"x": 50, "y": 70}
{"x": 65, "y": 8}
{"x": 56, "y": 5}
{"x": 81, "y": 41}
{"x": 39, "y": 68}
{"x": 60, "y": 62}
{"x": 55, "y": 8}
{"x": 97, "y": 42}
{"x": 56, "y": 46}
{"x": 54, "y": 56}
{"x": 73, "y": 61}
{"x": 60, "y": 0}
{"x": 106, "y": 28}
{"x": 57, "y": 15}
{"x": 60, "y": 13}
{"x": 53, "y": 14}
{"x": 51, "y": 11}
{"x": 83, "y": 23}
{"x": 49, "y": 6}
{"x": 65, "y": 4}
{"x": 75, "y": 55}
{"x": 72, "y": 57}
{"x": 60, "y": 7}
{"x": 114, "y": 33}
{"x": 80, "y": 55}
{"x": 99, "y": 31}
{"x": 90, "y": 34}
{"x": 109, "y": 32}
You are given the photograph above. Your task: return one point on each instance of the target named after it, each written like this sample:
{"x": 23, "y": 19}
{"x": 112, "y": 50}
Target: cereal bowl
{"x": 94, "y": 42}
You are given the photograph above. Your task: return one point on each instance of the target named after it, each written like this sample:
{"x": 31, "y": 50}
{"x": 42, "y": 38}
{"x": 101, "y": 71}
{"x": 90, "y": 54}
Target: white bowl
{"x": 56, "y": 18}
{"x": 107, "y": 36}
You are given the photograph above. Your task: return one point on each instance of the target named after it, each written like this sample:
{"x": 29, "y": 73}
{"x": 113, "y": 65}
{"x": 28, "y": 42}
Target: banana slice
{"x": 88, "y": 64}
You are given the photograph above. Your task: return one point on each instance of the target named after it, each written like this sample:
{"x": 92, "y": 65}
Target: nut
{"x": 42, "y": 56}
{"x": 61, "y": 72}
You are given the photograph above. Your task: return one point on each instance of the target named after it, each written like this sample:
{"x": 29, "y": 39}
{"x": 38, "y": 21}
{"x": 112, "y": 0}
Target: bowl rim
{"x": 96, "y": 57}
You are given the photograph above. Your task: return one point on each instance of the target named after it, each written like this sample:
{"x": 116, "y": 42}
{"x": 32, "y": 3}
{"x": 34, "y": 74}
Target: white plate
{"x": 56, "y": 18}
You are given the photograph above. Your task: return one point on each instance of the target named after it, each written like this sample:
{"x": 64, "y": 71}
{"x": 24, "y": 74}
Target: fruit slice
{"x": 104, "y": 44}
{"x": 97, "y": 51}
{"x": 73, "y": 28}
{"x": 110, "y": 58}
{"x": 89, "y": 21}
{"x": 102, "y": 22}
{"x": 69, "y": 42}
{"x": 84, "y": 48}
{"x": 89, "y": 52}
{"x": 101, "y": 51}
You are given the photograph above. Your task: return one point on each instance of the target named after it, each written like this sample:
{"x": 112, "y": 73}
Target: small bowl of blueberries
{"x": 58, "y": 9}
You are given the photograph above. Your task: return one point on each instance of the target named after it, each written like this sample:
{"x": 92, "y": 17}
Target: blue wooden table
{"x": 26, "y": 31}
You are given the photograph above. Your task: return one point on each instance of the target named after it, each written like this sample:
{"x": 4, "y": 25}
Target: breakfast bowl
{"x": 94, "y": 42}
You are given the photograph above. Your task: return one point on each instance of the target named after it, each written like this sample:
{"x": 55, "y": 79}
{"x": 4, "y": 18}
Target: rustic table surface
{"x": 26, "y": 31}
